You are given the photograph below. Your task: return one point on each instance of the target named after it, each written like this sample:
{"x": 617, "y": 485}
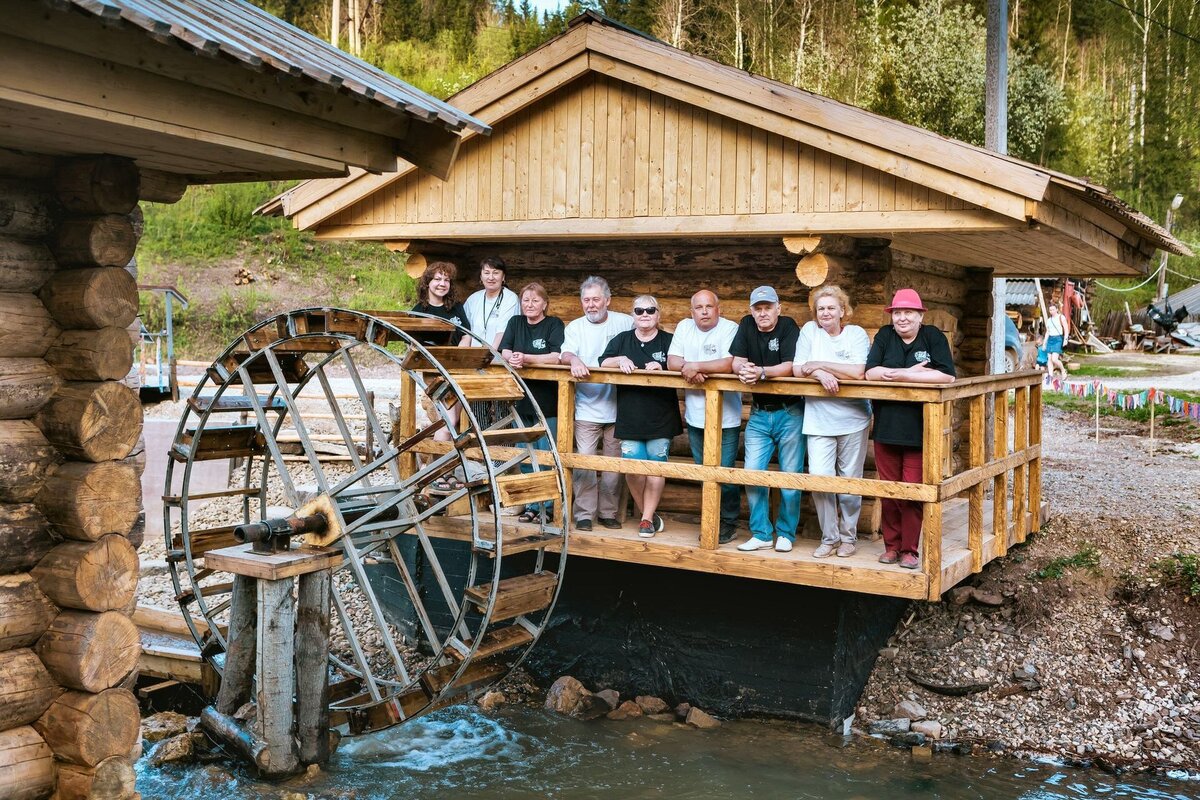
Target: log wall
{"x": 68, "y": 499}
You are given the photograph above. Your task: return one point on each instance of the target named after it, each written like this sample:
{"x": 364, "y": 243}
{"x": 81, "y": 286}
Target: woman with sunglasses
{"x": 647, "y": 418}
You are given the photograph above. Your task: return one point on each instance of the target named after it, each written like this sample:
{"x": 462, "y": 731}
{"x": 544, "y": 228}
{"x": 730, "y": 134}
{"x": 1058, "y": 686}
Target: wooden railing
{"x": 989, "y": 454}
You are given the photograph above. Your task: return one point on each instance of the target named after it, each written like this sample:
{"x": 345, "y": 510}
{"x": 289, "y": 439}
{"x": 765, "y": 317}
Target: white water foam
{"x": 438, "y": 741}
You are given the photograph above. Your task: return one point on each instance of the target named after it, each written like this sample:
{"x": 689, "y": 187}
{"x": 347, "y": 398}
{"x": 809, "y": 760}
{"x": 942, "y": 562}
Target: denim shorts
{"x": 1054, "y": 344}
{"x": 645, "y": 450}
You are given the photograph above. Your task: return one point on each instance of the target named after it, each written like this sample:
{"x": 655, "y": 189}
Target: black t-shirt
{"x": 454, "y": 313}
{"x": 644, "y": 413}
{"x": 768, "y": 349}
{"x": 535, "y": 340}
{"x": 897, "y": 422}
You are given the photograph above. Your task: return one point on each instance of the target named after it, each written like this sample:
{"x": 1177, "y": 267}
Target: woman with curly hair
{"x": 436, "y": 296}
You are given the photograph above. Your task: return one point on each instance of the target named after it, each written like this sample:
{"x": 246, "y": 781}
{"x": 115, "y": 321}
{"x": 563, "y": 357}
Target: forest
{"x": 1106, "y": 89}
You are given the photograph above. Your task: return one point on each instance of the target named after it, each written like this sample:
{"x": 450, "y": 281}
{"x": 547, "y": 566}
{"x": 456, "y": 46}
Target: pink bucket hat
{"x": 906, "y": 298}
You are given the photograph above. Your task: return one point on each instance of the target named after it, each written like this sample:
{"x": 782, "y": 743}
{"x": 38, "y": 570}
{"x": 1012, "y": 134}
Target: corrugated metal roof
{"x": 1020, "y": 292}
{"x": 247, "y": 34}
{"x": 1189, "y": 298}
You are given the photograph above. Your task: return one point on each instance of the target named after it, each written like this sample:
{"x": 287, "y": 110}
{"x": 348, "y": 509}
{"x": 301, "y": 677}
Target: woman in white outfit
{"x": 829, "y": 350}
{"x": 490, "y": 308}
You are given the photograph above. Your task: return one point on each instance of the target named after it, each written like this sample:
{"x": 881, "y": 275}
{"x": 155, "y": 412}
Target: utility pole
{"x": 1161, "y": 294}
{"x": 996, "y": 138}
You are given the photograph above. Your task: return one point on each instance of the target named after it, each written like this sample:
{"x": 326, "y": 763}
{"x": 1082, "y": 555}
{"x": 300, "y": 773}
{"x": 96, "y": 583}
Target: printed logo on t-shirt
{"x": 921, "y": 355}
{"x": 660, "y": 356}
{"x": 773, "y": 345}
{"x": 539, "y": 344}
{"x": 843, "y": 355}
{"x": 456, "y": 320}
{"x": 710, "y": 349}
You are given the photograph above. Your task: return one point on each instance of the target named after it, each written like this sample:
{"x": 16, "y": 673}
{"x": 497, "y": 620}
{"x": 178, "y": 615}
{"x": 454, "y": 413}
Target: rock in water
{"x": 177, "y": 748}
{"x": 492, "y": 700}
{"x": 590, "y": 707}
{"x": 163, "y": 725}
{"x": 909, "y": 739}
{"x": 565, "y": 694}
{"x": 910, "y": 709}
{"x": 890, "y": 727}
{"x": 651, "y": 704}
{"x": 627, "y": 710}
{"x": 698, "y": 719}
{"x": 929, "y": 727}
{"x": 681, "y": 711}
{"x": 610, "y": 696}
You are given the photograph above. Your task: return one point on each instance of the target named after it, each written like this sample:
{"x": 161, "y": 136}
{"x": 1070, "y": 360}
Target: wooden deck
{"x": 678, "y": 547}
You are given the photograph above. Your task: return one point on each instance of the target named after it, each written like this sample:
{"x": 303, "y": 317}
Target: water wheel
{"x": 437, "y": 597}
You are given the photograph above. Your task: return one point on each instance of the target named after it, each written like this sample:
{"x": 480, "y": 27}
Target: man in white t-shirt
{"x": 595, "y": 404}
{"x": 701, "y": 347}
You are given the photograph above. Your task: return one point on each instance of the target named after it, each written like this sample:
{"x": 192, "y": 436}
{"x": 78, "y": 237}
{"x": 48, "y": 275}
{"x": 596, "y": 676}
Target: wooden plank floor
{"x": 678, "y": 547}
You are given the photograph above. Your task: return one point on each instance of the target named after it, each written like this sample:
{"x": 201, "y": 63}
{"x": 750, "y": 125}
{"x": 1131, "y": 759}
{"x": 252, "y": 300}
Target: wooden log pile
{"x": 69, "y": 500}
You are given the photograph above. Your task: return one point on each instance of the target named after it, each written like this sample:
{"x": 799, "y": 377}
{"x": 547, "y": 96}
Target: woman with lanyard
{"x": 1056, "y": 335}
{"x": 490, "y": 308}
{"x": 647, "y": 418}
{"x": 909, "y": 352}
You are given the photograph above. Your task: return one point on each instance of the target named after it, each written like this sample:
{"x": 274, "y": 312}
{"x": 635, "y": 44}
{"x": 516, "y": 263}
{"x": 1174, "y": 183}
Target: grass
{"x": 1181, "y": 570}
{"x": 1099, "y": 371}
{"x": 1087, "y": 558}
{"x": 1087, "y": 406}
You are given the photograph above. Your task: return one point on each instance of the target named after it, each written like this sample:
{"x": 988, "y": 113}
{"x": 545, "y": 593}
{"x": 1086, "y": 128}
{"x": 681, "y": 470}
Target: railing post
{"x": 1035, "y": 466}
{"x": 565, "y": 441}
{"x": 975, "y": 459}
{"x": 710, "y": 496}
{"x": 1000, "y": 482}
{"x": 931, "y": 526}
{"x": 1020, "y": 472}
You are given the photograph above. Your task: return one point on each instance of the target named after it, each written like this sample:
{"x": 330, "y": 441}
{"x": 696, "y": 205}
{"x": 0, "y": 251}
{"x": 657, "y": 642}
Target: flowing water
{"x": 530, "y": 753}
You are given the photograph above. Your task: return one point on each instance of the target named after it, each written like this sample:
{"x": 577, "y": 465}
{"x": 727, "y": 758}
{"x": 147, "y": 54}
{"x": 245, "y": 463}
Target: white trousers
{"x": 837, "y": 456}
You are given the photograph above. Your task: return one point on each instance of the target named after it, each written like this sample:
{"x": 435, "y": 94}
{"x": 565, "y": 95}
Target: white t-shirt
{"x": 489, "y": 317}
{"x": 692, "y": 344}
{"x": 833, "y": 416}
{"x": 594, "y": 402}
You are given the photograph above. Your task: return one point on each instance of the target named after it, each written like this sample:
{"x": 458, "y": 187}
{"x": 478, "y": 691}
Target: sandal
{"x": 528, "y": 516}
{"x": 447, "y": 485}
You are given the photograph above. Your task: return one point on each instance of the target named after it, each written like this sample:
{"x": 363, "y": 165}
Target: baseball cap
{"x": 763, "y": 294}
{"x": 904, "y": 298}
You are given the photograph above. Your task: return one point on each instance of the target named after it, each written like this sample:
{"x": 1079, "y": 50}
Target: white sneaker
{"x": 824, "y": 551}
{"x": 754, "y": 543}
{"x": 783, "y": 545}
{"x": 846, "y": 549}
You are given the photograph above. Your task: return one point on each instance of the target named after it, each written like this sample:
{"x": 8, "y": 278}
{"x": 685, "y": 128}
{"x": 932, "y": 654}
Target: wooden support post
{"x": 241, "y": 650}
{"x": 975, "y": 459}
{"x": 1000, "y": 482}
{"x": 407, "y": 424}
{"x": 312, "y": 670}
{"x": 565, "y": 439}
{"x": 1020, "y": 472}
{"x": 1035, "y": 465}
{"x": 931, "y": 551}
{"x": 276, "y": 671}
{"x": 710, "y": 497}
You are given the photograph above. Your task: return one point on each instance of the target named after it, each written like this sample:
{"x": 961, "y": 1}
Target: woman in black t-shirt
{"x": 530, "y": 339}
{"x": 647, "y": 418}
{"x": 436, "y": 296}
{"x": 910, "y": 352}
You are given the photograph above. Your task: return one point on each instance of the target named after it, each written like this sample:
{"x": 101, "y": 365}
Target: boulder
{"x": 651, "y": 704}
{"x": 960, "y": 595}
{"x": 163, "y": 725}
{"x": 908, "y": 739}
{"x": 492, "y": 700}
{"x": 666, "y": 718}
{"x": 180, "y": 748}
{"x": 910, "y": 709}
{"x": 565, "y": 694}
{"x": 698, "y": 719}
{"x": 681, "y": 711}
{"x": 590, "y": 707}
{"x": 627, "y": 710}
{"x": 890, "y": 727}
{"x": 610, "y": 696}
{"x": 986, "y": 598}
{"x": 931, "y": 728}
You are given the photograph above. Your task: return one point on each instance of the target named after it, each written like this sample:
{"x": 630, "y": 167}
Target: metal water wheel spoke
{"x": 424, "y": 612}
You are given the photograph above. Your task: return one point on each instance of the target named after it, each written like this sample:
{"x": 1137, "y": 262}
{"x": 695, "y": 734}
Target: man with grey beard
{"x": 595, "y": 404}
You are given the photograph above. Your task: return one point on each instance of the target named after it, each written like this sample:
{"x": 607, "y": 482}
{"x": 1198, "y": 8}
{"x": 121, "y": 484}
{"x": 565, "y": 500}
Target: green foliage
{"x": 1181, "y": 570}
{"x": 1087, "y": 558}
{"x": 1100, "y": 371}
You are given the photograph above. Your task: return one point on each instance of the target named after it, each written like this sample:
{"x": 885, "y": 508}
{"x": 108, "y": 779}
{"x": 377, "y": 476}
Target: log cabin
{"x": 105, "y": 104}
{"x": 615, "y": 154}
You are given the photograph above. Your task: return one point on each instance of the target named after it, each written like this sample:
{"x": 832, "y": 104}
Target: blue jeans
{"x": 645, "y": 449}
{"x": 766, "y": 432}
{"x": 731, "y": 499}
{"x": 541, "y": 444}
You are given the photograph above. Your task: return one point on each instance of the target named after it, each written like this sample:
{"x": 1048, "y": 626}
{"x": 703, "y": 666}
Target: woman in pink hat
{"x": 909, "y": 352}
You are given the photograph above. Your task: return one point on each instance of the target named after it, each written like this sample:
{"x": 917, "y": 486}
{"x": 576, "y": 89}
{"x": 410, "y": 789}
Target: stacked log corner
{"x": 68, "y": 499}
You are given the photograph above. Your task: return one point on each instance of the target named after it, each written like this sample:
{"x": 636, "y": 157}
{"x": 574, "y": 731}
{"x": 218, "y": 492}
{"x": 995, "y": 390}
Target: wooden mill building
{"x": 104, "y": 103}
{"x": 617, "y": 155}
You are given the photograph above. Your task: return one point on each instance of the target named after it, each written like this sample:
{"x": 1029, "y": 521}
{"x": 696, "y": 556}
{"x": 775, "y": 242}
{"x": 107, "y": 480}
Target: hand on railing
{"x": 828, "y": 380}
{"x": 691, "y": 373}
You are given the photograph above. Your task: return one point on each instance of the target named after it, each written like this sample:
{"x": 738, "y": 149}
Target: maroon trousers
{"x": 901, "y": 518}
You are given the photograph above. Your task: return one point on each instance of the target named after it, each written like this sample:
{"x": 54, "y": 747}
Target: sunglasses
{"x": 640, "y": 311}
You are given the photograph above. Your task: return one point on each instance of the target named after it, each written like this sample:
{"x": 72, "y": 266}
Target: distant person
{"x": 910, "y": 352}
{"x": 647, "y": 417}
{"x": 700, "y": 347}
{"x": 1056, "y": 337}
{"x": 829, "y": 351}
{"x": 490, "y": 308}
{"x": 595, "y": 496}
{"x": 764, "y": 348}
{"x": 532, "y": 339}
